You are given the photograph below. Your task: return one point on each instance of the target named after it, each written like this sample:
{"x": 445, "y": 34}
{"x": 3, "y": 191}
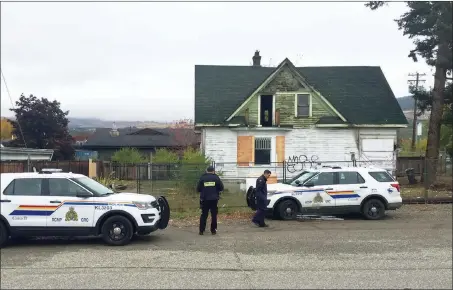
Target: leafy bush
{"x": 107, "y": 181}
{"x": 128, "y": 156}
{"x": 193, "y": 165}
{"x": 164, "y": 156}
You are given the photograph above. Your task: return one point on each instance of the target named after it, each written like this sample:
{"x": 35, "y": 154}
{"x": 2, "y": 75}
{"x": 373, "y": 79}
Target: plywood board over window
{"x": 245, "y": 150}
{"x": 280, "y": 144}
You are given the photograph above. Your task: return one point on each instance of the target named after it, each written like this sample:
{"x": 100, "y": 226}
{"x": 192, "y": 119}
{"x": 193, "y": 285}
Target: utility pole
{"x": 414, "y": 121}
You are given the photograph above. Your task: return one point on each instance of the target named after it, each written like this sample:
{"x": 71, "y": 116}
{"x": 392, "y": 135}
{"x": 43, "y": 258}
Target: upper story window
{"x": 303, "y": 105}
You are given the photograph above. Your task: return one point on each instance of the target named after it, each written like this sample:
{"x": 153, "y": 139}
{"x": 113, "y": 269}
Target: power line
{"x": 414, "y": 121}
{"x": 12, "y": 105}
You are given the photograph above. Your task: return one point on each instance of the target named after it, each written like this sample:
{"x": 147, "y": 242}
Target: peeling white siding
{"x": 330, "y": 146}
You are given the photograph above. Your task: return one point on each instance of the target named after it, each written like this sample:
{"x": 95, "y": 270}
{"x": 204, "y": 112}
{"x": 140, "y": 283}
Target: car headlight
{"x": 143, "y": 205}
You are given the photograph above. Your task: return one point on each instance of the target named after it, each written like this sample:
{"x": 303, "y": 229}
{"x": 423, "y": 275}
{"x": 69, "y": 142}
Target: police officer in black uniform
{"x": 261, "y": 197}
{"x": 209, "y": 186}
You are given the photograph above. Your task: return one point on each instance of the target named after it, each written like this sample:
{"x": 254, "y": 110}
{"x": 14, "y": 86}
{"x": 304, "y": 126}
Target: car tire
{"x": 287, "y": 209}
{"x": 373, "y": 209}
{"x": 117, "y": 230}
{"x": 4, "y": 235}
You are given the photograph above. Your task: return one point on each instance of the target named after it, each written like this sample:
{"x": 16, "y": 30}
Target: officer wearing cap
{"x": 209, "y": 186}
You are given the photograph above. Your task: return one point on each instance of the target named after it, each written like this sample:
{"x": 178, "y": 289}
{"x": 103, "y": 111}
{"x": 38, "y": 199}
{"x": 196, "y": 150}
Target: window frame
{"x": 270, "y": 150}
{"x": 296, "y": 105}
{"x": 70, "y": 181}
{"x": 381, "y": 171}
{"x": 359, "y": 176}
{"x": 335, "y": 178}
{"x": 13, "y": 184}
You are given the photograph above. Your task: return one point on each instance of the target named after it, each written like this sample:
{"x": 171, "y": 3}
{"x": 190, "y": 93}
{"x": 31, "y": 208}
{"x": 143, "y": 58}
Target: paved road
{"x": 410, "y": 249}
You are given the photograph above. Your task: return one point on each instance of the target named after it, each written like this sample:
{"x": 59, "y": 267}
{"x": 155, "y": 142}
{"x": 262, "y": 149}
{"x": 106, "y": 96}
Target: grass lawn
{"x": 187, "y": 202}
{"x": 233, "y": 204}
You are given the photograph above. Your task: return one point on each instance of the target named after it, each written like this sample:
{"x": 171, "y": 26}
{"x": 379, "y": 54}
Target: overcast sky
{"x": 135, "y": 61}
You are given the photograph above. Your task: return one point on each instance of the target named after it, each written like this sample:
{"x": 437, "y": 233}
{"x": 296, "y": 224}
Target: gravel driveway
{"x": 412, "y": 248}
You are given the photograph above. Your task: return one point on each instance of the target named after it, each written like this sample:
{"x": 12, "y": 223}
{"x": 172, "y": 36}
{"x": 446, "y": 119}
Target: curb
{"x": 421, "y": 200}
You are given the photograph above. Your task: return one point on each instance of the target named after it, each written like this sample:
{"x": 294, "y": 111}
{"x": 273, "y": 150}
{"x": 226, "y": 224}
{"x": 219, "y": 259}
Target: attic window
{"x": 146, "y": 132}
{"x": 303, "y": 105}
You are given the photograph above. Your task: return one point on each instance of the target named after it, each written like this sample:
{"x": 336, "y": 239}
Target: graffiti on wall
{"x": 298, "y": 163}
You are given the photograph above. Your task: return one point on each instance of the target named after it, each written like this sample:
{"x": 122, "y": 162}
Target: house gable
{"x": 361, "y": 94}
{"x": 284, "y": 85}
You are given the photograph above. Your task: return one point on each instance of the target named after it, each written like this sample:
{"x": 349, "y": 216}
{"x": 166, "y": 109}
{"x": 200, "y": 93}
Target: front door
{"x": 350, "y": 191}
{"x": 73, "y": 213}
{"x": 25, "y": 204}
{"x": 315, "y": 198}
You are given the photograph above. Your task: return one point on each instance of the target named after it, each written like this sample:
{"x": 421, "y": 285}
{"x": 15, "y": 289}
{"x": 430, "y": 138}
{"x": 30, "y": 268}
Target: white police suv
{"x": 50, "y": 203}
{"x": 336, "y": 190}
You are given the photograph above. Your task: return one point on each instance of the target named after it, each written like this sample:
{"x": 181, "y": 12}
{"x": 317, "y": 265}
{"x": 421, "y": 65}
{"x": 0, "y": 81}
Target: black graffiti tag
{"x": 298, "y": 163}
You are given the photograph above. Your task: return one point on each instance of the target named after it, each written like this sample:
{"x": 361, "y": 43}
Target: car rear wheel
{"x": 250, "y": 198}
{"x": 117, "y": 231}
{"x": 4, "y": 236}
{"x": 287, "y": 209}
{"x": 373, "y": 209}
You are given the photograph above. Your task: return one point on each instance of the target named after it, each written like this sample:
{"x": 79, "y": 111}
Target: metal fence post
{"x": 137, "y": 170}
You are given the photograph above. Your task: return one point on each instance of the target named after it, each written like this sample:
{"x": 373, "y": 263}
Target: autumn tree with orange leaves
{"x": 6, "y": 129}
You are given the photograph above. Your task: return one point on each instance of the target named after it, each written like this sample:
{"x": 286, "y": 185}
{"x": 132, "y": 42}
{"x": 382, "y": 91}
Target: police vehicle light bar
{"x": 50, "y": 170}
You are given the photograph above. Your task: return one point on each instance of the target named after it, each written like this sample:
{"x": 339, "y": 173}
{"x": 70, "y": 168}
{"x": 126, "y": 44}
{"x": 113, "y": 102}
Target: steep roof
{"x": 147, "y": 137}
{"x": 360, "y": 93}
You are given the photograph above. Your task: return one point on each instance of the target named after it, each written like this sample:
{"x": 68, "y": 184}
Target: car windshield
{"x": 302, "y": 177}
{"x": 93, "y": 186}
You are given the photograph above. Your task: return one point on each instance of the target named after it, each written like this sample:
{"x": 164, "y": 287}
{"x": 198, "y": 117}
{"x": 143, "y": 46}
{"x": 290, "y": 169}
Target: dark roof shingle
{"x": 133, "y": 137}
{"x": 360, "y": 93}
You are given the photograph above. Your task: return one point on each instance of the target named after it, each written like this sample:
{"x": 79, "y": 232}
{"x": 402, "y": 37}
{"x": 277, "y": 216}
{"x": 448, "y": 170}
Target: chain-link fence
{"x": 177, "y": 181}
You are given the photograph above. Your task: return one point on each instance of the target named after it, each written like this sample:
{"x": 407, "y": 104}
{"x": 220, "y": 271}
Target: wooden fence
{"x": 165, "y": 171}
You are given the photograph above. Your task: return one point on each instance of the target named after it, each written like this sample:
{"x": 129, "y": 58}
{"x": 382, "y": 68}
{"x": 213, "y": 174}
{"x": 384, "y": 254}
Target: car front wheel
{"x": 287, "y": 209}
{"x": 373, "y": 209}
{"x": 117, "y": 231}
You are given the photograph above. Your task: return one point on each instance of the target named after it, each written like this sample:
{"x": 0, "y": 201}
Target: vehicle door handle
{"x": 329, "y": 189}
{"x": 55, "y": 201}
{"x": 5, "y": 200}
{"x": 364, "y": 187}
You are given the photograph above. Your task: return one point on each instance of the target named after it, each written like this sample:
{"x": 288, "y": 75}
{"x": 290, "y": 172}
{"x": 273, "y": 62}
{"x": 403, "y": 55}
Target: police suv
{"x": 335, "y": 190}
{"x": 52, "y": 203}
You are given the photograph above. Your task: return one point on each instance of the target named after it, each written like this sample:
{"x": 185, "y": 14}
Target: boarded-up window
{"x": 280, "y": 140}
{"x": 303, "y": 105}
{"x": 245, "y": 150}
{"x": 263, "y": 151}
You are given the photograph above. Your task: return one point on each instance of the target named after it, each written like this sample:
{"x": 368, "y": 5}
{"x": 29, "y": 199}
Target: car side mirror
{"x": 309, "y": 184}
{"x": 83, "y": 194}
{"x": 297, "y": 182}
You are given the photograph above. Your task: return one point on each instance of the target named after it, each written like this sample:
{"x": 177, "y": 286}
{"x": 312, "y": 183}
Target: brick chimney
{"x": 257, "y": 59}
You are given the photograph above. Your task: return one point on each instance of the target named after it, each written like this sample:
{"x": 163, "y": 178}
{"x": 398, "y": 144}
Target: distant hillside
{"x": 406, "y": 103}
{"x": 99, "y": 123}
{"x": 86, "y": 123}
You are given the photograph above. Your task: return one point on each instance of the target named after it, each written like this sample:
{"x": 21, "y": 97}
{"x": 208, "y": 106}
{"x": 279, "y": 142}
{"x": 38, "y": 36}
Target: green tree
{"x": 42, "y": 124}
{"x": 424, "y": 103}
{"x": 430, "y": 25}
{"x": 128, "y": 156}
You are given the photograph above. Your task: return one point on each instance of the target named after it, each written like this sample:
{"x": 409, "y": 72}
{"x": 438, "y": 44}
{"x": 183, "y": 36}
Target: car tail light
{"x": 396, "y": 185}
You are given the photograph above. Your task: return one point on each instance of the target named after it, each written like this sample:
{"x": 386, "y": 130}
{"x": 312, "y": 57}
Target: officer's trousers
{"x": 259, "y": 216}
{"x": 206, "y": 207}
